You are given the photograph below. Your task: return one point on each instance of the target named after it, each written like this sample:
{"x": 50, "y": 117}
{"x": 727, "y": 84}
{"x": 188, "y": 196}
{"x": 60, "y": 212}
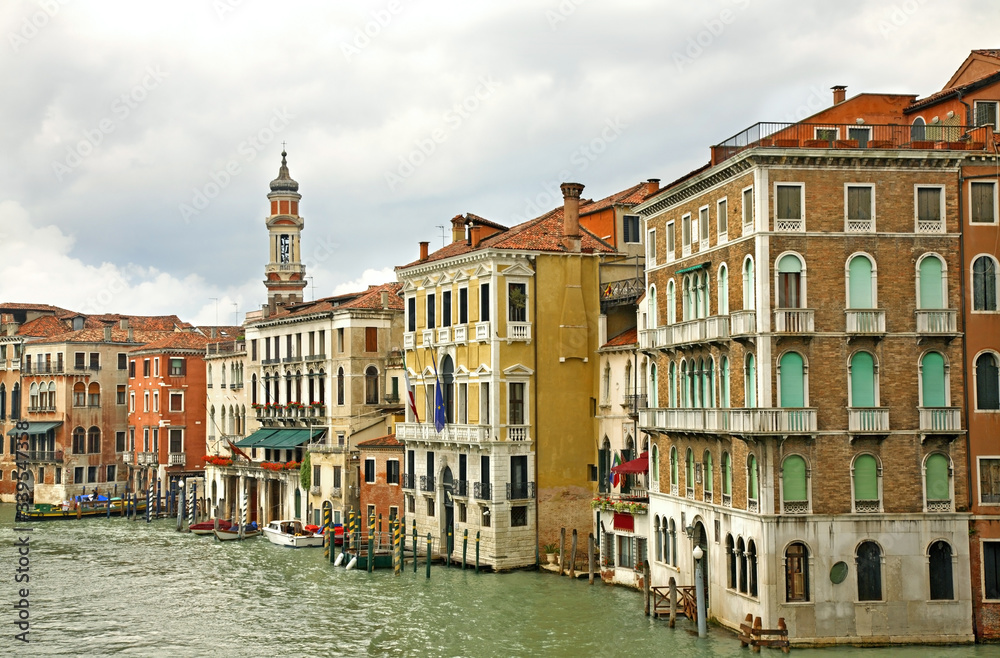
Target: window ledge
{"x": 798, "y": 603}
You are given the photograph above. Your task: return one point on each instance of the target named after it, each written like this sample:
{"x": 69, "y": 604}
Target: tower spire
{"x": 284, "y": 273}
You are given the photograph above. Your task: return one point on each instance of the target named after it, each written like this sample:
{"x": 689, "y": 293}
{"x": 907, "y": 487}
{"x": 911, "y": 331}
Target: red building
{"x": 381, "y": 480}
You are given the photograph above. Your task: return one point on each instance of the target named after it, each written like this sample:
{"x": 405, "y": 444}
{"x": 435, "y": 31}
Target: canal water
{"x": 117, "y": 587}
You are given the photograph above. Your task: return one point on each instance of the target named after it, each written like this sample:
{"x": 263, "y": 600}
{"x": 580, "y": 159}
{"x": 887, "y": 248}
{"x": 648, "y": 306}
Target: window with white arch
{"x": 932, "y": 282}
{"x": 862, "y": 382}
{"x": 866, "y": 484}
{"x": 934, "y": 385}
{"x": 937, "y": 483}
{"x": 749, "y": 283}
{"x": 793, "y": 390}
{"x": 794, "y": 485}
{"x": 862, "y": 290}
{"x": 723, "y": 285}
{"x": 986, "y": 381}
{"x": 651, "y": 308}
{"x": 790, "y": 281}
{"x": 984, "y": 283}
{"x": 671, "y": 302}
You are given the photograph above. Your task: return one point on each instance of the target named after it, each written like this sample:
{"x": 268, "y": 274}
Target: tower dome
{"x": 284, "y": 182}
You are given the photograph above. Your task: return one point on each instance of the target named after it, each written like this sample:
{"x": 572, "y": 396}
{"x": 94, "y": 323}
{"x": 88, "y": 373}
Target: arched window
{"x": 750, "y": 382}
{"x": 984, "y": 284}
{"x": 932, "y": 287}
{"x": 604, "y": 466}
{"x": 79, "y": 441}
{"x": 703, "y": 293}
{"x": 658, "y": 539}
{"x": 860, "y": 283}
{"x": 865, "y": 480}
{"x": 94, "y": 394}
{"x": 752, "y": 559}
{"x": 3, "y": 406}
{"x": 869, "y": 567}
{"x": 211, "y": 422}
{"x": 340, "y": 386}
{"x": 651, "y": 307}
{"x": 748, "y": 285}
{"x": 939, "y": 559}
{"x": 655, "y": 465}
{"x": 741, "y": 553}
{"x": 689, "y": 473}
{"x": 937, "y": 485}
{"x": 918, "y": 130}
{"x": 685, "y": 393}
{"x": 723, "y": 290}
{"x": 709, "y": 382}
{"x": 863, "y": 382}
{"x": 707, "y": 478}
{"x": 654, "y": 387}
{"x": 791, "y": 374}
{"x": 933, "y": 381}
{"x": 791, "y": 292}
{"x": 796, "y": 573}
{"x": 94, "y": 440}
{"x": 674, "y": 479}
{"x": 208, "y": 375}
{"x": 672, "y": 383}
{"x": 697, "y": 368}
{"x": 794, "y": 490}
{"x": 730, "y": 562}
{"x": 752, "y": 480}
{"x": 33, "y": 396}
{"x": 447, "y": 386}
{"x": 724, "y": 383}
{"x": 253, "y": 389}
{"x": 673, "y": 543}
{"x": 727, "y": 477}
{"x": 79, "y": 394}
{"x": 987, "y": 382}
{"x": 671, "y": 302}
{"x": 606, "y": 385}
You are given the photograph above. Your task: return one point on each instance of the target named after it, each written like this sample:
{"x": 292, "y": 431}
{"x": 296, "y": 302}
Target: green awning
{"x": 36, "y": 428}
{"x": 279, "y": 438}
{"x": 693, "y": 268}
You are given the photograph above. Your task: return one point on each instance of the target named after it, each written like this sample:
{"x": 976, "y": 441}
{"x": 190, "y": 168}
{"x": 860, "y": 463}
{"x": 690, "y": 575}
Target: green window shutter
{"x": 860, "y": 276}
{"x": 862, "y": 380}
{"x": 689, "y": 471}
{"x": 751, "y": 383}
{"x": 930, "y": 283}
{"x": 673, "y": 466}
{"x": 792, "y": 393}
{"x": 752, "y": 489}
{"x": 937, "y": 477}
{"x": 932, "y": 380}
{"x": 789, "y": 264}
{"x": 724, "y": 383}
{"x": 708, "y": 472}
{"x": 656, "y": 464}
{"x": 865, "y": 478}
{"x": 727, "y": 474}
{"x": 793, "y": 479}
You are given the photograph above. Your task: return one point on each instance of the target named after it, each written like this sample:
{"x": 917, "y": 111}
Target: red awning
{"x": 640, "y": 465}
{"x": 624, "y": 521}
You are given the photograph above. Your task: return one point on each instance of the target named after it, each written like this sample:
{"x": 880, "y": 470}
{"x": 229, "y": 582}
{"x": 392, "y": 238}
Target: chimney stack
{"x": 571, "y": 216}
{"x": 457, "y": 228}
{"x": 423, "y": 250}
{"x": 475, "y": 235}
{"x": 385, "y": 299}
{"x": 123, "y": 323}
{"x": 130, "y": 337}
{"x": 652, "y": 186}
{"x": 839, "y": 94}
{"x": 107, "y": 333}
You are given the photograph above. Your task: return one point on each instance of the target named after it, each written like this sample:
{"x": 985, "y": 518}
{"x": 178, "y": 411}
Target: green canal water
{"x": 117, "y": 587}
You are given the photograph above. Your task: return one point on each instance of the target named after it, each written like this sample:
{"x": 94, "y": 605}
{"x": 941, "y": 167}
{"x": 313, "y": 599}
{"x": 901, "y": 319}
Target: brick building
{"x": 806, "y": 373}
{"x": 381, "y": 477}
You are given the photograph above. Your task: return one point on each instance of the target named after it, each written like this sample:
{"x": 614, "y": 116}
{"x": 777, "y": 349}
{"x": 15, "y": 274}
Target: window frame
{"x": 942, "y": 218}
{"x": 392, "y": 481}
{"x": 745, "y": 206}
{"x": 996, "y": 212}
{"x": 651, "y": 247}
{"x": 631, "y": 228}
{"x": 944, "y": 280}
{"x": 996, "y": 113}
{"x": 979, "y": 480}
{"x": 871, "y": 209}
{"x": 687, "y": 234}
{"x": 170, "y": 401}
{"x": 996, "y": 283}
{"x": 518, "y": 281}
{"x": 878, "y": 482}
{"x": 704, "y": 227}
{"x": 670, "y": 246}
{"x": 802, "y": 207}
{"x": 975, "y": 379}
{"x": 801, "y": 281}
{"x": 722, "y": 220}
{"x": 370, "y": 465}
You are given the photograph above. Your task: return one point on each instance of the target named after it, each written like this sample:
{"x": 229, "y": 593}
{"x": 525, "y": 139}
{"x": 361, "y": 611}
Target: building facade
{"x": 381, "y": 461}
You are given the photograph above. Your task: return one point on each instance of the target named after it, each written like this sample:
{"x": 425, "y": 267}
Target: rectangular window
{"x": 788, "y": 207}
{"x": 861, "y": 135}
{"x": 145, "y": 439}
{"x": 369, "y": 471}
{"x": 989, "y": 480}
{"x": 58, "y": 475}
{"x": 393, "y": 512}
{"x": 651, "y": 247}
{"x": 516, "y": 403}
{"x": 145, "y": 367}
{"x": 929, "y": 200}
{"x": 156, "y": 366}
{"x": 131, "y": 369}
{"x": 484, "y": 302}
{"x": 630, "y": 229}
{"x": 983, "y": 202}
{"x": 430, "y": 507}
{"x": 686, "y": 233}
{"x": 485, "y": 517}
{"x": 446, "y": 308}
{"x": 131, "y": 438}
{"x": 340, "y": 340}
{"x": 411, "y": 314}
{"x": 392, "y": 471}
{"x": 517, "y": 302}
{"x": 253, "y": 349}
{"x": 111, "y": 473}
{"x": 145, "y": 400}
{"x": 156, "y": 400}
{"x": 321, "y": 342}
{"x": 176, "y": 401}
{"x": 431, "y": 311}
{"x": 484, "y": 403}
{"x": 518, "y": 516}
{"x": 120, "y": 394}
{"x": 177, "y": 367}
{"x": 336, "y": 477}
{"x": 991, "y": 570}
{"x": 703, "y": 225}
{"x": 119, "y": 441}
{"x": 463, "y": 305}
{"x": 722, "y": 219}
{"x": 176, "y": 440}
{"x": 370, "y": 513}
{"x": 986, "y": 113}
{"x": 95, "y": 361}
{"x": 156, "y": 440}
{"x": 669, "y": 235}
{"x": 371, "y": 339}
{"x": 463, "y": 406}
{"x": 91, "y": 474}
{"x": 462, "y": 514}
{"x": 859, "y": 208}
{"x": 411, "y": 504}
{"x": 748, "y": 207}
{"x": 131, "y": 402}
{"x": 626, "y": 556}
{"x": 122, "y": 361}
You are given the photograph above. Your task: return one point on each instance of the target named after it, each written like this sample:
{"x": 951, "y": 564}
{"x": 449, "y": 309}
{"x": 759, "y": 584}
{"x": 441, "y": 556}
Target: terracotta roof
{"x": 388, "y": 441}
{"x": 624, "y": 339}
{"x": 16, "y": 306}
{"x": 179, "y": 340}
{"x": 372, "y": 298}
{"x": 45, "y": 326}
{"x": 222, "y": 332}
{"x": 988, "y": 53}
{"x": 97, "y": 336}
{"x": 944, "y": 93}
{"x": 631, "y": 196}
{"x": 482, "y": 221}
{"x": 544, "y": 233}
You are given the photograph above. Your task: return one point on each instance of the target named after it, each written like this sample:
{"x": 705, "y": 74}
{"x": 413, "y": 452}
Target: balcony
{"x": 518, "y": 432}
{"x": 427, "y": 337}
{"x": 44, "y": 455}
{"x": 482, "y": 491}
{"x": 314, "y": 490}
{"x": 176, "y": 459}
{"x": 734, "y": 421}
{"x": 869, "y": 322}
{"x": 427, "y": 483}
{"x": 409, "y": 340}
{"x": 653, "y": 339}
{"x": 459, "y": 433}
{"x": 794, "y": 321}
{"x": 633, "y": 403}
{"x": 869, "y": 420}
{"x": 315, "y": 357}
{"x": 444, "y": 335}
{"x": 940, "y": 420}
{"x": 930, "y": 226}
{"x": 938, "y": 506}
{"x": 148, "y": 459}
{"x": 128, "y": 456}
{"x": 867, "y": 506}
{"x": 795, "y": 506}
{"x": 461, "y": 488}
{"x": 408, "y": 481}
{"x": 742, "y": 323}
{"x": 518, "y": 331}
{"x": 461, "y": 334}
{"x": 753, "y": 506}
{"x": 938, "y": 322}
{"x": 482, "y": 331}
{"x": 327, "y": 449}
{"x": 520, "y": 490}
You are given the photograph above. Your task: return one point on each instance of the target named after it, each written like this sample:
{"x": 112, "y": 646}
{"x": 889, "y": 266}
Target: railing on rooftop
{"x": 850, "y": 136}
{"x": 226, "y": 347}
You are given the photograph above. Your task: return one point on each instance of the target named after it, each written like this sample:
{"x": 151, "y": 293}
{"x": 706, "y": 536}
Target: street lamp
{"x": 699, "y": 584}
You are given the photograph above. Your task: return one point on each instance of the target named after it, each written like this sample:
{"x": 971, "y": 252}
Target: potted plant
{"x": 550, "y": 552}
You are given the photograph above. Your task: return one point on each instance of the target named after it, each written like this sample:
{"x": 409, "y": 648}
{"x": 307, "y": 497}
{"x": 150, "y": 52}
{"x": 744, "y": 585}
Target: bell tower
{"x": 285, "y": 274}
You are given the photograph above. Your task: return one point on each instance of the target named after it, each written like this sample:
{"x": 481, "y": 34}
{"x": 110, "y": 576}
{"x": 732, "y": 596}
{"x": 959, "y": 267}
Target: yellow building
{"x": 506, "y": 322}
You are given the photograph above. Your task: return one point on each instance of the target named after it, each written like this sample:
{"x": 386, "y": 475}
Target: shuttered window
{"x": 991, "y": 570}
{"x": 929, "y": 204}
{"x": 987, "y": 382}
{"x": 865, "y": 478}
{"x": 931, "y": 290}
{"x": 862, "y": 380}
{"x": 793, "y": 479}
{"x": 932, "y": 380}
{"x": 727, "y": 474}
{"x": 984, "y": 284}
{"x": 792, "y": 380}
{"x": 708, "y": 477}
{"x": 789, "y": 202}
{"x": 859, "y": 203}
{"x": 989, "y": 480}
{"x": 371, "y": 339}
{"x": 936, "y": 477}
{"x": 752, "y": 478}
{"x": 860, "y": 283}
{"x": 982, "y": 196}
{"x": 789, "y": 282}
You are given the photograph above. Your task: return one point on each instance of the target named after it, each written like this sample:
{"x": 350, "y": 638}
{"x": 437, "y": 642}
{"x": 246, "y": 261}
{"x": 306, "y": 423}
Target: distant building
{"x": 381, "y": 462}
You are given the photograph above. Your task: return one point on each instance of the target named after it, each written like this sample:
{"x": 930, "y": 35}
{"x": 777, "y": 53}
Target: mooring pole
{"x": 572, "y": 557}
{"x": 673, "y": 601}
{"x": 147, "y": 505}
{"x": 414, "y": 546}
{"x": 180, "y": 512}
{"x": 562, "y": 550}
{"x": 428, "y": 555}
{"x": 477, "y": 551}
{"x": 371, "y": 543}
{"x": 645, "y": 585}
{"x": 465, "y": 546}
{"x": 590, "y": 558}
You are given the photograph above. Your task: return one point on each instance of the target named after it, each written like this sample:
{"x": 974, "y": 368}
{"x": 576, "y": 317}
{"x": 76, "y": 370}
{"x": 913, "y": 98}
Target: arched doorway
{"x": 447, "y": 485}
{"x": 701, "y": 539}
{"x": 448, "y": 387}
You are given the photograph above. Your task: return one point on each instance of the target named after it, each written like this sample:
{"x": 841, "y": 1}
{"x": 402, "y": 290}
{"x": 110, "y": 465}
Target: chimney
{"x": 423, "y": 250}
{"x": 385, "y": 299}
{"x": 652, "y": 186}
{"x": 457, "y": 228}
{"x": 123, "y": 323}
{"x": 130, "y": 338}
{"x": 571, "y": 216}
{"x": 107, "y": 333}
{"x": 839, "y": 94}
{"x": 475, "y": 235}
{"x": 211, "y": 332}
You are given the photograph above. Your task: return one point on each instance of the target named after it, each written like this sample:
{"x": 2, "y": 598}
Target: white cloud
{"x": 368, "y": 278}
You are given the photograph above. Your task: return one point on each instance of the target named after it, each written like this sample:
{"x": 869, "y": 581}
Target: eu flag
{"x": 439, "y": 416}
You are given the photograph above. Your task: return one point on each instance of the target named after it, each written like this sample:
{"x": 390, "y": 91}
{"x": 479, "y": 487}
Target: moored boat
{"x": 208, "y": 527}
{"x": 78, "y": 508}
{"x": 233, "y": 532}
{"x": 292, "y": 534}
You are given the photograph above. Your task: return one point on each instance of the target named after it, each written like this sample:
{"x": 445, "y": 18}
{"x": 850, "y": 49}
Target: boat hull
{"x": 293, "y": 541}
{"x": 229, "y": 535}
{"x": 87, "y": 510}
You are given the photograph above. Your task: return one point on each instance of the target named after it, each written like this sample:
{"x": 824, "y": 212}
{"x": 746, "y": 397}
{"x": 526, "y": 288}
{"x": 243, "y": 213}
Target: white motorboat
{"x": 292, "y": 534}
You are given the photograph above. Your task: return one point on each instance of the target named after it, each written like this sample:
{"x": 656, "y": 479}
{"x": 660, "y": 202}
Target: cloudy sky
{"x": 139, "y": 137}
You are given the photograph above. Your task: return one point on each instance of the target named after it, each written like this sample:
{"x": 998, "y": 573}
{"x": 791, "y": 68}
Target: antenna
{"x": 216, "y": 310}
{"x": 443, "y": 234}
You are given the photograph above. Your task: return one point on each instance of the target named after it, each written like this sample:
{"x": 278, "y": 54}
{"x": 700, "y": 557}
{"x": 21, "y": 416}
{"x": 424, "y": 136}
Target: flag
{"x": 440, "y": 419}
{"x": 409, "y": 390}
{"x": 613, "y": 477}
{"x": 236, "y": 450}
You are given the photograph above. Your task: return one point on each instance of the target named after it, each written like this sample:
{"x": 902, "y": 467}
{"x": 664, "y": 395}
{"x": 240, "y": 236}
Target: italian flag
{"x": 409, "y": 390}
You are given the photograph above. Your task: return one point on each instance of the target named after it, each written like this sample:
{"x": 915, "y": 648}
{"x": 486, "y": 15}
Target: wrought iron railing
{"x": 482, "y": 490}
{"x": 427, "y": 483}
{"x": 520, "y": 490}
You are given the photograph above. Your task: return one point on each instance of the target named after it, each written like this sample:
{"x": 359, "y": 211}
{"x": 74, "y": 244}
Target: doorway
{"x": 447, "y": 485}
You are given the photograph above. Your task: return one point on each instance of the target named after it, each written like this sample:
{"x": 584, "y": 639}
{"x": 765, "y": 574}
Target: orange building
{"x": 381, "y": 479}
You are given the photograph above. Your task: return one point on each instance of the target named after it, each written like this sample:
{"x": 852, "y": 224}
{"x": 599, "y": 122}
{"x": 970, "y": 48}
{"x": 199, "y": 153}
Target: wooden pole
{"x": 572, "y": 557}
{"x": 180, "y": 512}
{"x": 428, "y": 555}
{"x": 477, "y": 551}
{"x": 645, "y": 585}
{"x": 414, "y": 546}
{"x": 148, "y": 511}
{"x": 465, "y": 546}
{"x": 371, "y": 543}
{"x": 590, "y": 558}
{"x": 673, "y": 601}
{"x": 755, "y": 634}
{"x": 447, "y": 548}
{"x": 785, "y": 648}
{"x": 562, "y": 550}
